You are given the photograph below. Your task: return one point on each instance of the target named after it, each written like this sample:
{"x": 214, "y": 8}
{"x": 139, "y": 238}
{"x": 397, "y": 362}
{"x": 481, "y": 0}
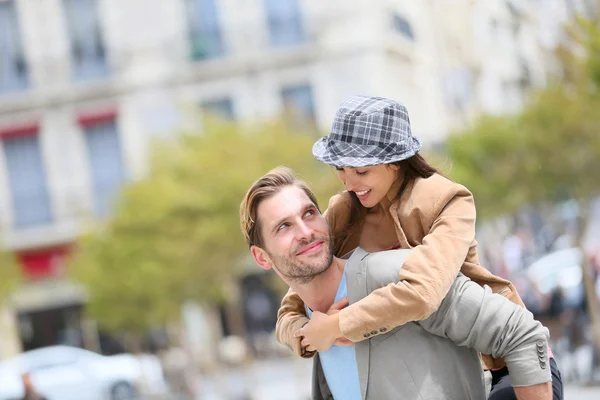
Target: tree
{"x": 175, "y": 235}
{"x": 550, "y": 152}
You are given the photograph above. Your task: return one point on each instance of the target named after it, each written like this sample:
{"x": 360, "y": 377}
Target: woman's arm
{"x": 427, "y": 273}
{"x": 424, "y": 280}
{"x": 291, "y": 317}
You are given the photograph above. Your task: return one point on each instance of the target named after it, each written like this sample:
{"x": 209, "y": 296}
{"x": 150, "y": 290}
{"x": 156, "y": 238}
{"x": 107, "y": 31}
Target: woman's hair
{"x": 410, "y": 169}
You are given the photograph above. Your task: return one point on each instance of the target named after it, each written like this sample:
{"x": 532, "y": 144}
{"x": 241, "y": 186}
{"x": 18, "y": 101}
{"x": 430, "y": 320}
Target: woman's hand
{"x": 323, "y": 330}
{"x": 320, "y": 332}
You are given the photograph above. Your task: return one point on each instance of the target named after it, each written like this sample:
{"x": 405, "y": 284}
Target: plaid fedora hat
{"x": 367, "y": 131}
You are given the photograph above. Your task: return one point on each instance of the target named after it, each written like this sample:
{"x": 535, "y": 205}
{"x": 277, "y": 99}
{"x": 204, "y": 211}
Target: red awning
{"x": 16, "y": 130}
{"x": 43, "y": 263}
{"x": 96, "y": 117}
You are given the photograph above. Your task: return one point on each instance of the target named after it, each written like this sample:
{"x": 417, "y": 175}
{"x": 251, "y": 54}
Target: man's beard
{"x": 303, "y": 272}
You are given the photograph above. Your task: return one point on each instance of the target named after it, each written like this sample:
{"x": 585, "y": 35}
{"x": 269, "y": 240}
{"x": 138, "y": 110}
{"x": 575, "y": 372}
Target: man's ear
{"x": 261, "y": 257}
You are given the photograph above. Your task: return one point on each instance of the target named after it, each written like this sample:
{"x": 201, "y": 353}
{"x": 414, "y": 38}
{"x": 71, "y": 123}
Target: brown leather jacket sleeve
{"x": 427, "y": 274}
{"x": 291, "y": 315}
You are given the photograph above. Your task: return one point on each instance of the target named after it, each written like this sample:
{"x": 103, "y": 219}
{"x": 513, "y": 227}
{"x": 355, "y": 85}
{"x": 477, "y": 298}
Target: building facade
{"x": 86, "y": 85}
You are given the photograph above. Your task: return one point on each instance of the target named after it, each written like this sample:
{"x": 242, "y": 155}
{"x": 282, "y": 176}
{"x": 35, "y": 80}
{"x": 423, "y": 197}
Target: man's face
{"x": 296, "y": 237}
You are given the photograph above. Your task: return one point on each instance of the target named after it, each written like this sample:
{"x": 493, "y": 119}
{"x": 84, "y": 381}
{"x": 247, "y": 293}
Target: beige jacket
{"x": 436, "y": 218}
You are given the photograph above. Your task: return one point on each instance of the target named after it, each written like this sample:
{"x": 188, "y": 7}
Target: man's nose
{"x": 304, "y": 231}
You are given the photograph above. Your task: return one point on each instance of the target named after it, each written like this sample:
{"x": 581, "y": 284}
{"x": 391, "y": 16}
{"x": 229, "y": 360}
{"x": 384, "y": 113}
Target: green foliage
{"x": 589, "y": 38}
{"x": 486, "y": 159}
{"x": 551, "y": 150}
{"x": 563, "y": 128}
{"x": 579, "y": 55}
{"x": 176, "y": 235}
{"x": 10, "y": 274}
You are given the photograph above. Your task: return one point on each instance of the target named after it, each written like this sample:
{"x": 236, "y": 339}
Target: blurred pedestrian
{"x": 595, "y": 264}
{"x": 30, "y": 392}
{"x": 513, "y": 251}
{"x": 176, "y": 365}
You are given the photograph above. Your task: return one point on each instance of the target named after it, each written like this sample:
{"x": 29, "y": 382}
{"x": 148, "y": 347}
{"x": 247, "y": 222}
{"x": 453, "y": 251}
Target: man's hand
{"x": 321, "y": 332}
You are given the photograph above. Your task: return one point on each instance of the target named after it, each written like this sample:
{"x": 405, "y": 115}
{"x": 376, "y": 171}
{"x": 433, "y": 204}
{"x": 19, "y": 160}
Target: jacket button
{"x": 373, "y": 332}
{"x": 540, "y": 343}
{"x": 366, "y": 335}
{"x": 543, "y": 365}
{"x": 382, "y": 330}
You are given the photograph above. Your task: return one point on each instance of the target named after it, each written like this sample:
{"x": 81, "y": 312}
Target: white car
{"x": 70, "y": 373}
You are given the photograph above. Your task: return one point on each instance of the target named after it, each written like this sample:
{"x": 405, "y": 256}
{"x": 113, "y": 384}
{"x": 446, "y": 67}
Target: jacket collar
{"x": 386, "y": 203}
{"x": 392, "y": 194}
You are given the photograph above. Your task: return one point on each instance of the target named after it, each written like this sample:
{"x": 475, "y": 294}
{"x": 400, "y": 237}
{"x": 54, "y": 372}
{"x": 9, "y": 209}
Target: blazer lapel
{"x": 356, "y": 278}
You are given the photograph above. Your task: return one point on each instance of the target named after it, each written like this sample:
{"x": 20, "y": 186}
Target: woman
{"x": 393, "y": 199}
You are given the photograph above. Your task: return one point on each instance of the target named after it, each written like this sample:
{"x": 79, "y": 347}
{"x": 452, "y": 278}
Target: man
{"x": 434, "y": 358}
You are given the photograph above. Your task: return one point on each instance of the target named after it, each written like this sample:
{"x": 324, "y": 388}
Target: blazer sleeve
{"x": 474, "y": 317}
{"x": 427, "y": 274}
{"x": 291, "y": 315}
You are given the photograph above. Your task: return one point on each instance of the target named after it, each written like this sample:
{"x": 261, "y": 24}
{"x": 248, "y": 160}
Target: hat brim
{"x": 357, "y": 154}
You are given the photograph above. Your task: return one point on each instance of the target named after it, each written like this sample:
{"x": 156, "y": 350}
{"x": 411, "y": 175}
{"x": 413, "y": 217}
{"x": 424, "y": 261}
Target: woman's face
{"x": 370, "y": 184}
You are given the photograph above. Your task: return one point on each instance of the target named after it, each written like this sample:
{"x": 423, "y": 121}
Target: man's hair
{"x": 265, "y": 188}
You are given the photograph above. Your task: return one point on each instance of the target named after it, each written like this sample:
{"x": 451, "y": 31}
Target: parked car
{"x": 70, "y": 373}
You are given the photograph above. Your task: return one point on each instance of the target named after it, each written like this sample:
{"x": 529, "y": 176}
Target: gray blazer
{"x": 437, "y": 358}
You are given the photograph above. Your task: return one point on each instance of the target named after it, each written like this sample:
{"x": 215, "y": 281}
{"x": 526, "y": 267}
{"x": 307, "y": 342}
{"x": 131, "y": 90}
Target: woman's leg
{"x": 502, "y": 389}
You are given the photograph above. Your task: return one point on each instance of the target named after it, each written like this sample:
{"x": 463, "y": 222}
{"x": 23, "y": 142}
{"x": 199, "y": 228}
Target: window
{"x": 299, "y": 107}
{"x": 402, "y": 26}
{"x": 29, "y": 194}
{"x": 299, "y": 100}
{"x": 87, "y": 46}
{"x": 458, "y": 84}
{"x": 285, "y": 22}
{"x": 205, "y": 32}
{"x": 525, "y": 77}
{"x": 221, "y": 108}
{"x": 106, "y": 164}
{"x": 13, "y": 69}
